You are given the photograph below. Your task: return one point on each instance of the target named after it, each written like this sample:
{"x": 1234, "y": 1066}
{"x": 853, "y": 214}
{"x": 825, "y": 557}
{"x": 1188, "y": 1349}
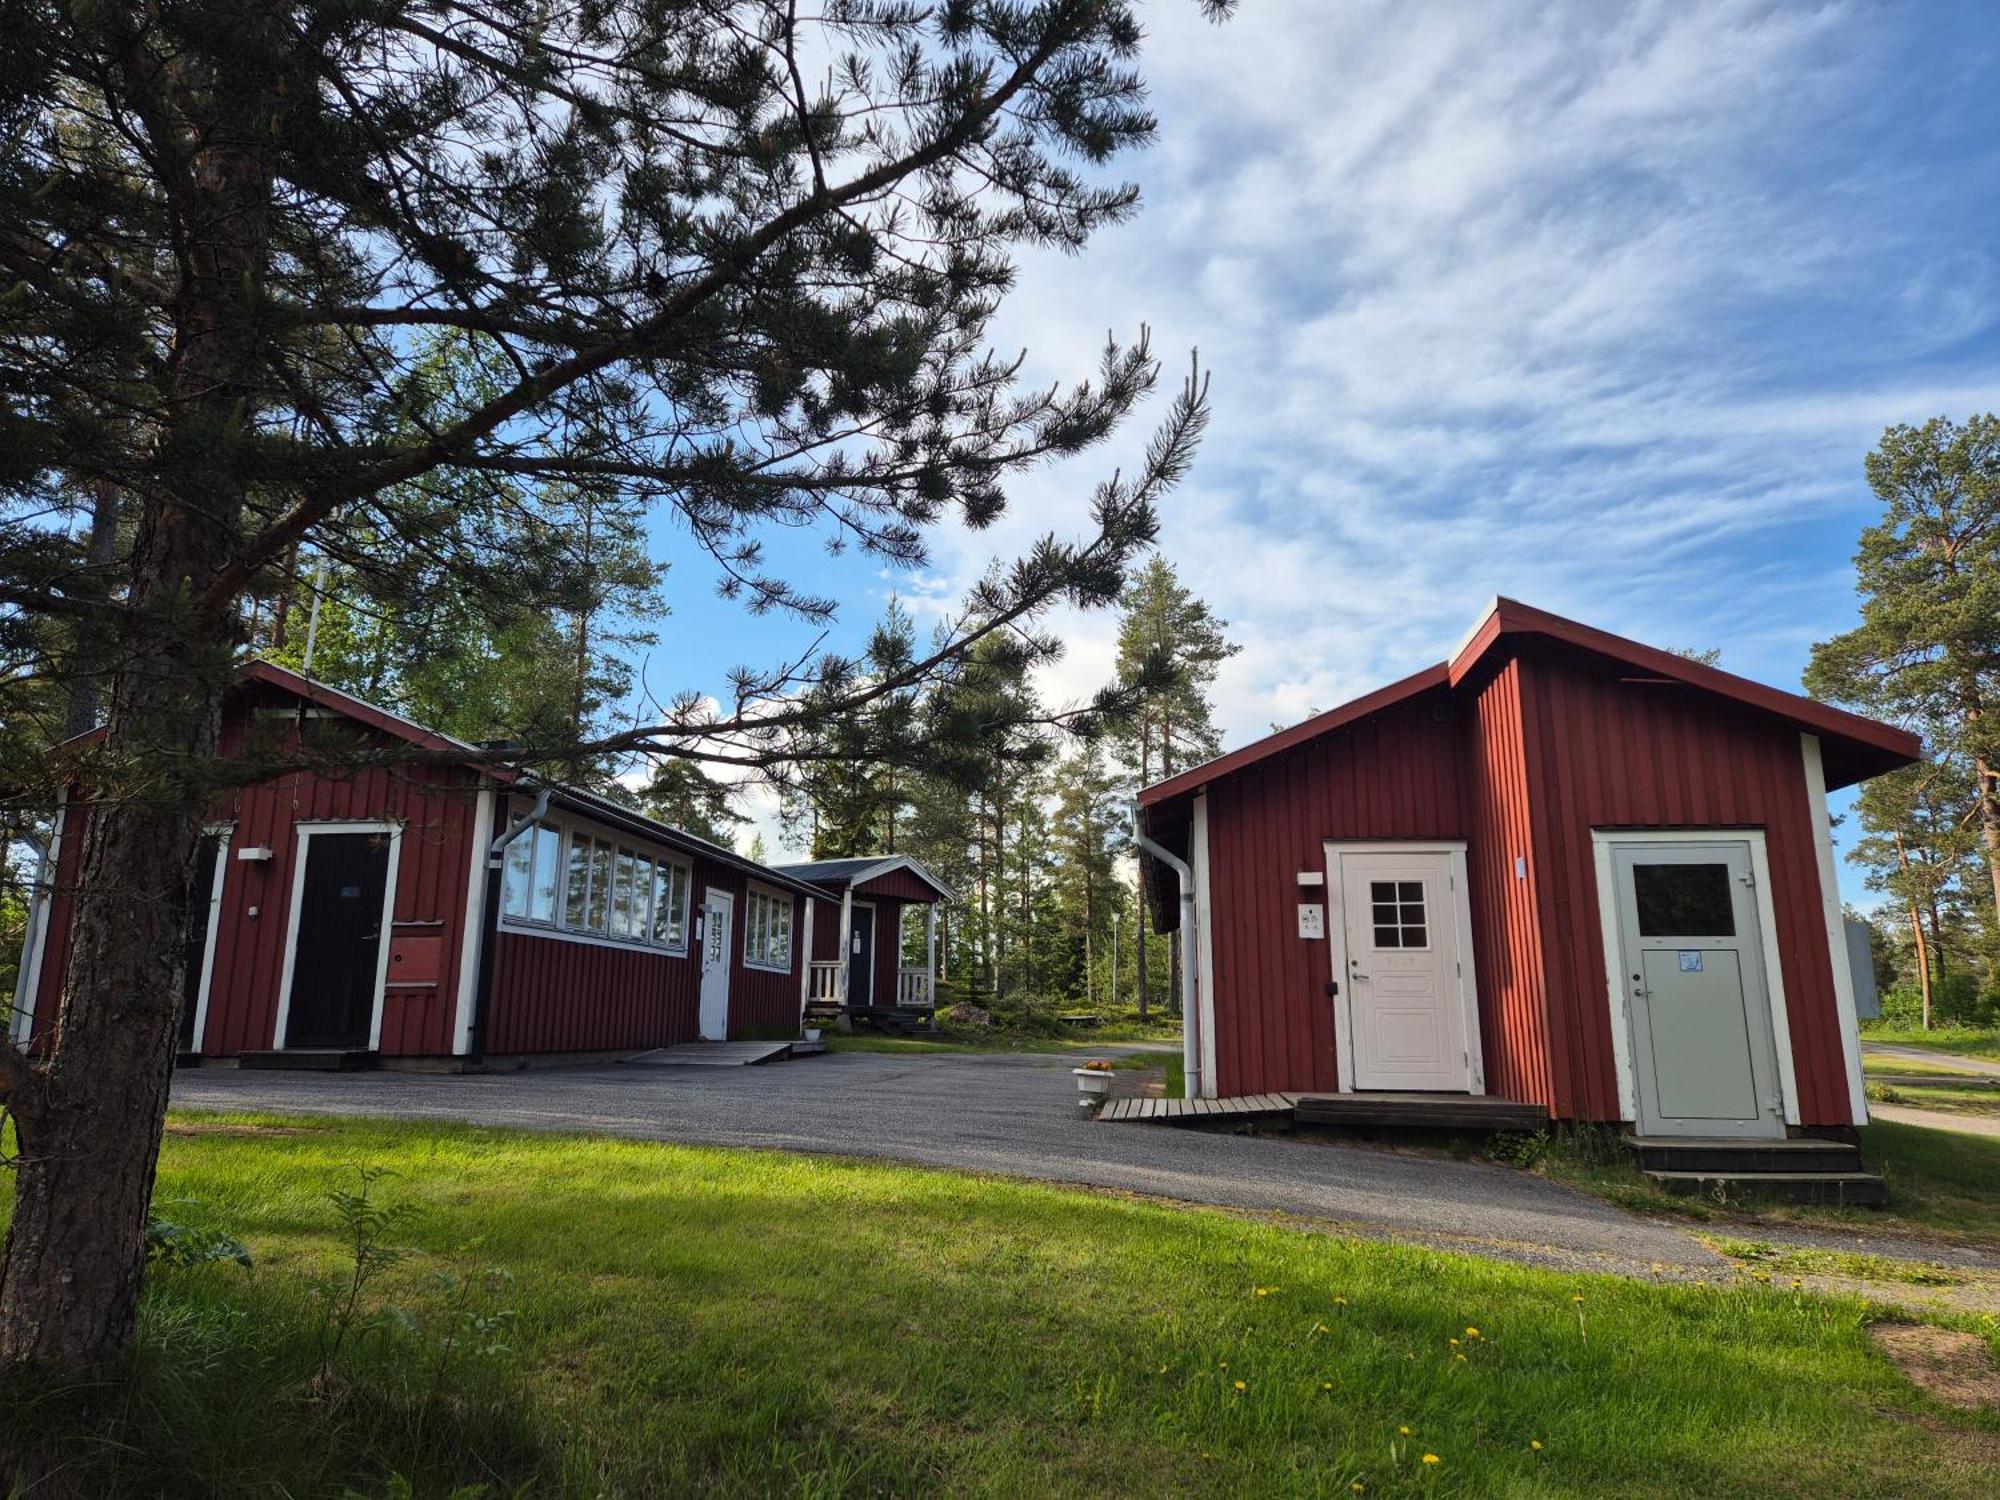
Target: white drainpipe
{"x": 1190, "y": 1013}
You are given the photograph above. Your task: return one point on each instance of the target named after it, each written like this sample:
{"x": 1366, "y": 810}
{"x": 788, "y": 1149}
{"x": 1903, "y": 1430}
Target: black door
{"x": 340, "y": 939}
{"x": 200, "y": 914}
{"x": 861, "y": 957}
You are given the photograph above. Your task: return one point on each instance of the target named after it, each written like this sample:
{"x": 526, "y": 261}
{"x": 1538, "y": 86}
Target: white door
{"x": 1406, "y": 1017}
{"x": 718, "y": 907}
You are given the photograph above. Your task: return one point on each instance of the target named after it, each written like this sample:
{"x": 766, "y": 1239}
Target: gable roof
{"x": 840, "y": 874}
{"x": 1862, "y": 747}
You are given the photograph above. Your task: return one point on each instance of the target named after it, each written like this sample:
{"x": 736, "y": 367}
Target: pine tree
{"x": 681, "y": 794}
{"x": 1927, "y": 650}
{"x": 746, "y": 302}
{"x": 1170, "y": 647}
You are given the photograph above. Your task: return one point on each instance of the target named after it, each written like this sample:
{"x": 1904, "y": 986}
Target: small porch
{"x": 870, "y": 962}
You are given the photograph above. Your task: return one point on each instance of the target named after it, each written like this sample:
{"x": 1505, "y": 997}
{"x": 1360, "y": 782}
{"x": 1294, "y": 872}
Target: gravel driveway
{"x": 1009, "y": 1114}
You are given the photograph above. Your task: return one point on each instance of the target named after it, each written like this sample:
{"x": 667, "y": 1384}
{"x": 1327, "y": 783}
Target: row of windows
{"x": 578, "y": 883}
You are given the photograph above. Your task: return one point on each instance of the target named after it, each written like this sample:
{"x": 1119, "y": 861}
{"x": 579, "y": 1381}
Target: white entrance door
{"x": 1407, "y": 1020}
{"x": 718, "y": 908}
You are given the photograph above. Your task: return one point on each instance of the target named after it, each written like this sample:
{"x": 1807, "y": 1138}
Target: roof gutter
{"x": 1190, "y": 1012}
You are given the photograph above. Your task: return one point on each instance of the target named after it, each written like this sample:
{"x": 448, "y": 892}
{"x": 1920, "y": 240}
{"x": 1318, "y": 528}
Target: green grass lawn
{"x": 1964, "y": 1041}
{"x": 734, "y": 1323}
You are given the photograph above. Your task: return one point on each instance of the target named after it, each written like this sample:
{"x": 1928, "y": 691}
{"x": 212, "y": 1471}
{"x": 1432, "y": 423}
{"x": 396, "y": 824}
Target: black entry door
{"x": 200, "y": 914}
{"x": 340, "y": 939}
{"x": 861, "y": 957}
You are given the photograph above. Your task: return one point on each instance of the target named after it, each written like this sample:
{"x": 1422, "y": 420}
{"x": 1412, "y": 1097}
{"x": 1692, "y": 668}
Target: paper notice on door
{"x": 1690, "y": 960}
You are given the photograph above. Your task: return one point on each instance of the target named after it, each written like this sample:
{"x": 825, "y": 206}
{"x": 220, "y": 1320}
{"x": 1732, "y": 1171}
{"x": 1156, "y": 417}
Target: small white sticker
{"x": 1312, "y": 920}
{"x": 1690, "y": 960}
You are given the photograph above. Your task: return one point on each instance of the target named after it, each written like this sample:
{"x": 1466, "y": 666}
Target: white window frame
{"x": 572, "y": 835}
{"x": 767, "y": 897}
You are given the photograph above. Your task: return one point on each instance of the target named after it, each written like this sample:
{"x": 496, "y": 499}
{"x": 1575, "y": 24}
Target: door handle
{"x": 1359, "y": 976}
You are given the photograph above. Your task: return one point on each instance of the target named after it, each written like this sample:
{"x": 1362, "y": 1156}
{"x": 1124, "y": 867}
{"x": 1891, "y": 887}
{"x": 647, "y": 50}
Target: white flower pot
{"x": 812, "y": 1033}
{"x": 1092, "y": 1083}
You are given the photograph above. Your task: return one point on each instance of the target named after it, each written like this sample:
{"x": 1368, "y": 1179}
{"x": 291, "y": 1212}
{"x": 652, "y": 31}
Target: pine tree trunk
{"x": 1917, "y": 936}
{"x": 90, "y": 1118}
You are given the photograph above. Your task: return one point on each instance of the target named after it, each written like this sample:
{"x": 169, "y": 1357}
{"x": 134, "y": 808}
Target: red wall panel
{"x": 1609, "y": 753}
{"x": 1396, "y": 775}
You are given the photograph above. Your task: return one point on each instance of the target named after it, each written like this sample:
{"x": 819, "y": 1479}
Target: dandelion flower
{"x": 1432, "y": 1458}
{"x": 1459, "y": 1357}
{"x": 1326, "y": 1385}
{"x": 1242, "y": 1385}
{"x": 1452, "y": 1342}
{"x": 1577, "y": 1298}
{"x": 1357, "y": 1486}
{"x": 1472, "y": 1333}
{"x": 1534, "y": 1445}
{"x": 1404, "y": 1431}
{"x": 1340, "y": 1302}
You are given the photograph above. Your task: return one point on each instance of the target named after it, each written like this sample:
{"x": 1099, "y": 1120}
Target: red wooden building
{"x": 380, "y": 909}
{"x": 1561, "y": 868}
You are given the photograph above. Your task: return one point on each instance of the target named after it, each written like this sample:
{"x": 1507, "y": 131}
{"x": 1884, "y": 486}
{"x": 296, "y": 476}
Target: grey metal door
{"x": 1703, "y": 1057}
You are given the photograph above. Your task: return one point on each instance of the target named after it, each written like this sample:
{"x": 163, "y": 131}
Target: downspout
{"x": 24, "y": 1022}
{"x": 489, "y": 926}
{"x": 1190, "y": 1013}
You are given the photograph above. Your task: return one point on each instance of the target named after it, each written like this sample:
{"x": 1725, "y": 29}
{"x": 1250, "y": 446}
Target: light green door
{"x": 1703, "y": 1057}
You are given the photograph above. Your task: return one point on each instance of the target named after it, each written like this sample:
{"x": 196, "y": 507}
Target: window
{"x": 767, "y": 930}
{"x": 1684, "y": 900}
{"x": 529, "y": 879}
{"x": 1399, "y": 918}
{"x": 587, "y": 885}
{"x": 670, "y": 895}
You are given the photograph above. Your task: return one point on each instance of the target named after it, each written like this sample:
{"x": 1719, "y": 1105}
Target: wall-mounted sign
{"x": 1312, "y": 920}
{"x": 1690, "y": 960}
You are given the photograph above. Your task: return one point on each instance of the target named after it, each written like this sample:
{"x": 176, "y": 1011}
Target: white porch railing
{"x": 913, "y": 988}
{"x": 826, "y": 976}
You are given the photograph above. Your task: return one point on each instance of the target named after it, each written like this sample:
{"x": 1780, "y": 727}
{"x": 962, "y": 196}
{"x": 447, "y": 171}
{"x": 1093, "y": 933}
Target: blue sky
{"x": 1595, "y": 305}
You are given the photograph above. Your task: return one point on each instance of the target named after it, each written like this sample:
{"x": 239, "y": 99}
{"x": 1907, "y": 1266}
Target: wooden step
{"x": 1420, "y": 1111}
{"x": 1863, "y": 1188}
{"x": 310, "y": 1059}
{"x": 1723, "y": 1155}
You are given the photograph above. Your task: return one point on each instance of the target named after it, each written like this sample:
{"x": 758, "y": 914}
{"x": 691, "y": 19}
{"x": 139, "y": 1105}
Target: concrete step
{"x": 310, "y": 1059}
{"x": 1793, "y": 1187}
{"x": 1728, "y": 1155}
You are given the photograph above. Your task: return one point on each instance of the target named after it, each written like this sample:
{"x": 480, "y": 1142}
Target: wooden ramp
{"x": 1245, "y": 1108}
{"x": 712, "y": 1055}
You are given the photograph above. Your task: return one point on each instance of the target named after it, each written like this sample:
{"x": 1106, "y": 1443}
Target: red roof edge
{"x": 1511, "y": 617}
{"x": 1882, "y": 746}
{"x": 1298, "y": 734}
{"x": 322, "y": 696}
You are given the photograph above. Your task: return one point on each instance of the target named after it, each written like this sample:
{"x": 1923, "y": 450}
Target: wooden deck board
{"x": 1433, "y": 1111}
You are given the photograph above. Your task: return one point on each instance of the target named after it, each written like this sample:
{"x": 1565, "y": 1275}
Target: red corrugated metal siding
{"x": 1506, "y": 937}
{"x": 436, "y": 805}
{"x": 763, "y": 999}
{"x": 1603, "y": 753}
{"x": 826, "y": 929}
{"x": 1394, "y": 776}
{"x": 901, "y": 884}
{"x": 552, "y": 994}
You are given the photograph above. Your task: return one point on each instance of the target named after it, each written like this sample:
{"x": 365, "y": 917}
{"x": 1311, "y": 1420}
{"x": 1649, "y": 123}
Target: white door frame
{"x": 1602, "y": 842}
{"x": 301, "y": 834}
{"x": 223, "y": 834}
{"x": 710, "y": 896}
{"x": 1336, "y": 943}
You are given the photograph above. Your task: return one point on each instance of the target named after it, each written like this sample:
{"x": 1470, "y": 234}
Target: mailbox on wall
{"x": 415, "y": 960}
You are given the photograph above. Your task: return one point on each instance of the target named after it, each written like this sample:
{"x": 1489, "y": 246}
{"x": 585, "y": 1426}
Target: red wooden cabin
{"x": 867, "y": 916}
{"x": 1561, "y": 868}
{"x": 381, "y": 911}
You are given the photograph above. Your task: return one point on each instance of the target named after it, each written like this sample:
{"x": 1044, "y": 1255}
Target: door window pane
{"x": 1397, "y": 913}
{"x": 1684, "y": 900}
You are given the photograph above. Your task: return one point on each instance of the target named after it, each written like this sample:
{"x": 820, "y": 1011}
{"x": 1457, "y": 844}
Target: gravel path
{"x": 1936, "y": 1119}
{"x": 1950, "y": 1060}
{"x": 1009, "y": 1114}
